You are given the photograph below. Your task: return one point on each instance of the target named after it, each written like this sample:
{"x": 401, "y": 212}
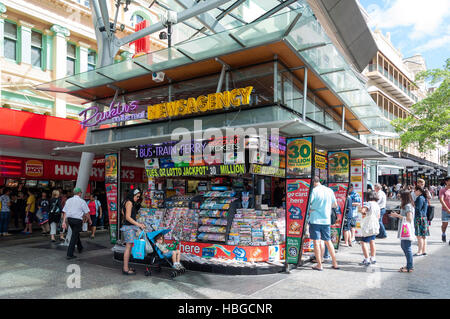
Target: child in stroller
{"x": 169, "y": 251}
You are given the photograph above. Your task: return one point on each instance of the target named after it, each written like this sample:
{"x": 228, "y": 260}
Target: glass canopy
{"x": 243, "y": 24}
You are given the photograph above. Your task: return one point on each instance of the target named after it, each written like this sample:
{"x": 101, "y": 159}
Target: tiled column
{"x": 60, "y": 65}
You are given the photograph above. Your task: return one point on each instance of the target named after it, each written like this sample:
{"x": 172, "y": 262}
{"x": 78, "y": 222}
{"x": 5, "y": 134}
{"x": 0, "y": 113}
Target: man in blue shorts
{"x": 322, "y": 199}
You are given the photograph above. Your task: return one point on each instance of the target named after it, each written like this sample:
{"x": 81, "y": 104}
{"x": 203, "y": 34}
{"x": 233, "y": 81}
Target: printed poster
{"x": 299, "y": 157}
{"x": 357, "y": 179}
{"x": 340, "y": 191}
{"x": 338, "y": 166}
{"x": 297, "y": 194}
{"x": 111, "y": 199}
{"x": 111, "y": 168}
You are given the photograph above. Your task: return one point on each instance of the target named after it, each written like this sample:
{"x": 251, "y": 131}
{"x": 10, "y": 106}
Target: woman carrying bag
{"x": 130, "y": 227}
{"x": 420, "y": 220}
{"x": 370, "y": 227}
{"x": 406, "y": 228}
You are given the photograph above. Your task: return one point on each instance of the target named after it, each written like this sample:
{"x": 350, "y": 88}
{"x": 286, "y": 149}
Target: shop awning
{"x": 338, "y": 140}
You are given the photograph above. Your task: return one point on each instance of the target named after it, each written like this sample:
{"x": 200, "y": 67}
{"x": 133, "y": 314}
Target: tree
{"x": 428, "y": 125}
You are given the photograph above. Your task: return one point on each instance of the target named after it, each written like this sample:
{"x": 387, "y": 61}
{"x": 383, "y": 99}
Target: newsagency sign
{"x": 122, "y": 112}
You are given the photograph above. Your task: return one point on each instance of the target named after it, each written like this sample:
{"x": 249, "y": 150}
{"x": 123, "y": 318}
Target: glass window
{"x": 10, "y": 40}
{"x": 36, "y": 49}
{"x": 84, "y": 3}
{"x": 92, "y": 60}
{"x": 71, "y": 58}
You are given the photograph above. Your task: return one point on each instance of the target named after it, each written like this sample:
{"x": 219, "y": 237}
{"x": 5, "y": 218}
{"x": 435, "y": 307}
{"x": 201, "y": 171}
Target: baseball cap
{"x": 77, "y": 190}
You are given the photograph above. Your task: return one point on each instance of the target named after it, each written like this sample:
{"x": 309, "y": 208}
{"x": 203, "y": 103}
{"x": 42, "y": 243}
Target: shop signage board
{"x": 297, "y": 194}
{"x": 299, "y": 157}
{"x": 338, "y": 166}
{"x": 357, "y": 179}
{"x": 197, "y": 171}
{"x": 267, "y": 170}
{"x": 111, "y": 184}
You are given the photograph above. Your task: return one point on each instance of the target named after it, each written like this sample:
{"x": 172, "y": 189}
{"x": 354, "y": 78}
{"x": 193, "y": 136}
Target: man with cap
{"x": 444, "y": 198}
{"x": 75, "y": 210}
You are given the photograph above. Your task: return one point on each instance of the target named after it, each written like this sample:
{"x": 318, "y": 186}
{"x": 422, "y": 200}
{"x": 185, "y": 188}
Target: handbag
{"x": 148, "y": 246}
{"x": 406, "y": 230}
{"x": 430, "y": 213}
{"x": 138, "y": 250}
{"x": 333, "y": 216}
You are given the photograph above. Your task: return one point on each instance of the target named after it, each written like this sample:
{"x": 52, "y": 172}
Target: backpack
{"x": 54, "y": 208}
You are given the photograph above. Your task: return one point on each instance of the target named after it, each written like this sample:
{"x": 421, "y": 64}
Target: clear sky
{"x": 416, "y": 26}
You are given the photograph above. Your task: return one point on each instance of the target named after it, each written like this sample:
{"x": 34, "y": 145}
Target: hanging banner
{"x": 340, "y": 191}
{"x": 357, "y": 179}
{"x": 299, "y": 157}
{"x": 338, "y": 166}
{"x": 111, "y": 180}
{"x": 297, "y": 193}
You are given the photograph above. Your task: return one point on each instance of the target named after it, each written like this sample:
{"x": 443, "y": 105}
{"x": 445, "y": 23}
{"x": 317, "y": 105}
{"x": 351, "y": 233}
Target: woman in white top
{"x": 370, "y": 227}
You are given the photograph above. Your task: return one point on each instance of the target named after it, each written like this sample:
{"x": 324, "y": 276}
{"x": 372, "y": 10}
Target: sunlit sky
{"x": 416, "y": 26}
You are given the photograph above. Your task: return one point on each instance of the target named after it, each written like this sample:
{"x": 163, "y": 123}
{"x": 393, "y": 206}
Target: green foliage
{"x": 428, "y": 126}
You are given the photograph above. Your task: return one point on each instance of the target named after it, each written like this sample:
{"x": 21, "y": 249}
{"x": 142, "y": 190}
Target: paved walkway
{"x": 35, "y": 268}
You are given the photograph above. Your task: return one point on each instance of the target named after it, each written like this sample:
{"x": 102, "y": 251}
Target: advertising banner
{"x": 338, "y": 166}
{"x": 111, "y": 198}
{"x": 297, "y": 193}
{"x": 239, "y": 253}
{"x": 299, "y": 157}
{"x": 197, "y": 170}
{"x": 357, "y": 179}
{"x": 340, "y": 191}
{"x": 111, "y": 168}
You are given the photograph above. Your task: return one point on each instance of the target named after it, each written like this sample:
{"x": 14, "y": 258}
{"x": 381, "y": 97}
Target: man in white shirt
{"x": 75, "y": 210}
{"x": 382, "y": 203}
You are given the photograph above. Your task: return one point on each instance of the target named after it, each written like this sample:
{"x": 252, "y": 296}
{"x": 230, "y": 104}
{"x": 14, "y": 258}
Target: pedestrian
{"x": 5, "y": 212}
{"x": 382, "y": 204}
{"x": 14, "y": 209}
{"x": 407, "y": 213}
{"x": 21, "y": 205}
{"x": 130, "y": 227}
{"x": 444, "y": 198}
{"x": 322, "y": 200}
{"x": 54, "y": 216}
{"x": 30, "y": 209}
{"x": 42, "y": 213}
{"x": 370, "y": 227}
{"x": 420, "y": 221}
{"x": 75, "y": 210}
{"x": 353, "y": 201}
{"x": 95, "y": 212}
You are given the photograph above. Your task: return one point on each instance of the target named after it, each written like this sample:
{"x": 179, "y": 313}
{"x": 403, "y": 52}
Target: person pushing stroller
{"x": 169, "y": 251}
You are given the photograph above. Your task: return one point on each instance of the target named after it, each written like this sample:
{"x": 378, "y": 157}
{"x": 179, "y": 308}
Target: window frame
{"x": 17, "y": 41}
{"x": 74, "y": 59}
{"x": 95, "y": 61}
{"x": 41, "y": 66}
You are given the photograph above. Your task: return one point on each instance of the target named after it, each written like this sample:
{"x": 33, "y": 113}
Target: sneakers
{"x": 364, "y": 263}
{"x": 373, "y": 261}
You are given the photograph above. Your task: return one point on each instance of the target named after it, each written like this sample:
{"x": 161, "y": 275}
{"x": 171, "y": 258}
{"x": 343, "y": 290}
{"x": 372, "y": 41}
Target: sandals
{"x": 317, "y": 268}
{"x": 130, "y": 272}
{"x": 404, "y": 269}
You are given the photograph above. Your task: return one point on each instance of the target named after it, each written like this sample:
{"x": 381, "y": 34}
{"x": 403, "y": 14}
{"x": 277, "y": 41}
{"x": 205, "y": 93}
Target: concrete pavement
{"x": 35, "y": 268}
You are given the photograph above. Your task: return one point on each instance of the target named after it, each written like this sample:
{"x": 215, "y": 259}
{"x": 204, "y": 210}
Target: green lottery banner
{"x": 299, "y": 157}
{"x": 297, "y": 194}
{"x": 338, "y": 167}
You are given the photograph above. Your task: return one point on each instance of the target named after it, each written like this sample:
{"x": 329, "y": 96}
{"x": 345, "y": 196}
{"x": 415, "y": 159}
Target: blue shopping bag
{"x": 138, "y": 250}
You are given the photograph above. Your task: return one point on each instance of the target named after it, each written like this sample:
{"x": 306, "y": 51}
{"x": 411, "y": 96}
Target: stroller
{"x": 157, "y": 258}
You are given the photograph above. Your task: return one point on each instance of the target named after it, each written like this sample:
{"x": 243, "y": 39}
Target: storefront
{"x": 231, "y": 129}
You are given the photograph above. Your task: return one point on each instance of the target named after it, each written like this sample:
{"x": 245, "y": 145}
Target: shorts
{"x": 168, "y": 254}
{"x": 349, "y": 223}
{"x": 129, "y": 233}
{"x": 94, "y": 220}
{"x": 322, "y": 232}
{"x": 445, "y": 216}
{"x": 368, "y": 239}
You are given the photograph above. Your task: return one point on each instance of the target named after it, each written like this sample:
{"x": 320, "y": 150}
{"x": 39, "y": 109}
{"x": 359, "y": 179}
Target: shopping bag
{"x": 148, "y": 246}
{"x": 39, "y": 214}
{"x": 138, "y": 250}
{"x": 406, "y": 232}
{"x": 84, "y": 227}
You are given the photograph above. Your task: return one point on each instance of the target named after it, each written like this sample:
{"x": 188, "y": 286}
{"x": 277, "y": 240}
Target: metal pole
{"x": 275, "y": 79}
{"x": 343, "y": 119}
{"x": 222, "y": 75}
{"x": 305, "y": 93}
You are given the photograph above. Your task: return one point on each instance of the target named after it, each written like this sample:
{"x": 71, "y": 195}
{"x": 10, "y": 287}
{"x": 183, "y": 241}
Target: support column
{"x": 25, "y": 43}
{"x": 60, "y": 65}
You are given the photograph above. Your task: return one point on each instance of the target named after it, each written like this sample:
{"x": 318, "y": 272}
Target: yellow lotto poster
{"x": 299, "y": 156}
{"x": 338, "y": 166}
{"x": 320, "y": 162}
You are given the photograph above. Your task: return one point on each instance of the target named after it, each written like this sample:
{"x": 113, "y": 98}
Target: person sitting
{"x": 169, "y": 251}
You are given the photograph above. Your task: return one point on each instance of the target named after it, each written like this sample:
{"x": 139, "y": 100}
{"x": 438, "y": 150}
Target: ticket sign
{"x": 338, "y": 166}
{"x": 297, "y": 193}
{"x": 299, "y": 157}
{"x": 197, "y": 170}
{"x": 340, "y": 191}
